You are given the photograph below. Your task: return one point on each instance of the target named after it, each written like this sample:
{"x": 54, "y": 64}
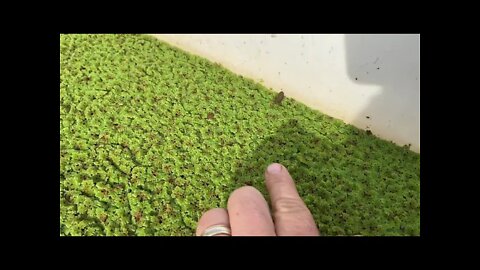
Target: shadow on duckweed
{"x": 352, "y": 182}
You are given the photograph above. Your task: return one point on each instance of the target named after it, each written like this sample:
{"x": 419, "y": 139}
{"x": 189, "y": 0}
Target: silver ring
{"x": 216, "y": 230}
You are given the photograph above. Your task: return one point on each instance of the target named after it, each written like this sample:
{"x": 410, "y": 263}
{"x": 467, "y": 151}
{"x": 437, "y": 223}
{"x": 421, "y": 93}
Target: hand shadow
{"x": 339, "y": 182}
{"x": 301, "y": 153}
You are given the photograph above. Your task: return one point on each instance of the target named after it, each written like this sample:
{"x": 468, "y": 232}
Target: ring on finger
{"x": 217, "y": 230}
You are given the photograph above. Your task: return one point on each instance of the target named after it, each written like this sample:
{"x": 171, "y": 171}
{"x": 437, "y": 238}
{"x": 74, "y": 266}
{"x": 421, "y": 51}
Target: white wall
{"x": 345, "y": 76}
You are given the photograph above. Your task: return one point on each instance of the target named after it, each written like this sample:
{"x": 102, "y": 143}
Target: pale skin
{"x": 248, "y": 214}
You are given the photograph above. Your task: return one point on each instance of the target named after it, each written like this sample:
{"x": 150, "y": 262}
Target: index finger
{"x": 290, "y": 214}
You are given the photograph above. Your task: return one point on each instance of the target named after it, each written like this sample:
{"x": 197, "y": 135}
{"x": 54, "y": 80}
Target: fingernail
{"x": 274, "y": 168}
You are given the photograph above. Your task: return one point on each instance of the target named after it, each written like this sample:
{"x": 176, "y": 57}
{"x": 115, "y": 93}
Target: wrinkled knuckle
{"x": 289, "y": 205}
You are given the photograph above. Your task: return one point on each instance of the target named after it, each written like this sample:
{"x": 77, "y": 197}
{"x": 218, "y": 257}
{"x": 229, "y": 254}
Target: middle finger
{"x": 249, "y": 213}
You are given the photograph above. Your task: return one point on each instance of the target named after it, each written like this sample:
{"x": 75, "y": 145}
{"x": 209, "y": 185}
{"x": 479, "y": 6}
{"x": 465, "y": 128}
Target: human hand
{"x": 248, "y": 213}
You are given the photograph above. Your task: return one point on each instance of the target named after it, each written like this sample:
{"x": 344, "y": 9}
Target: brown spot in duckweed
{"x": 138, "y": 216}
{"x": 103, "y": 218}
{"x": 210, "y": 115}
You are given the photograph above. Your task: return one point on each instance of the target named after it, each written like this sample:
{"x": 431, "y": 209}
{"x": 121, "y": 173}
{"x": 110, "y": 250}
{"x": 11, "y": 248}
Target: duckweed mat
{"x": 151, "y": 137}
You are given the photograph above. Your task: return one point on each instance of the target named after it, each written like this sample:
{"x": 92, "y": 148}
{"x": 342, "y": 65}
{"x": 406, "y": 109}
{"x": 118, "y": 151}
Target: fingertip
{"x": 241, "y": 193}
{"x": 274, "y": 168}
